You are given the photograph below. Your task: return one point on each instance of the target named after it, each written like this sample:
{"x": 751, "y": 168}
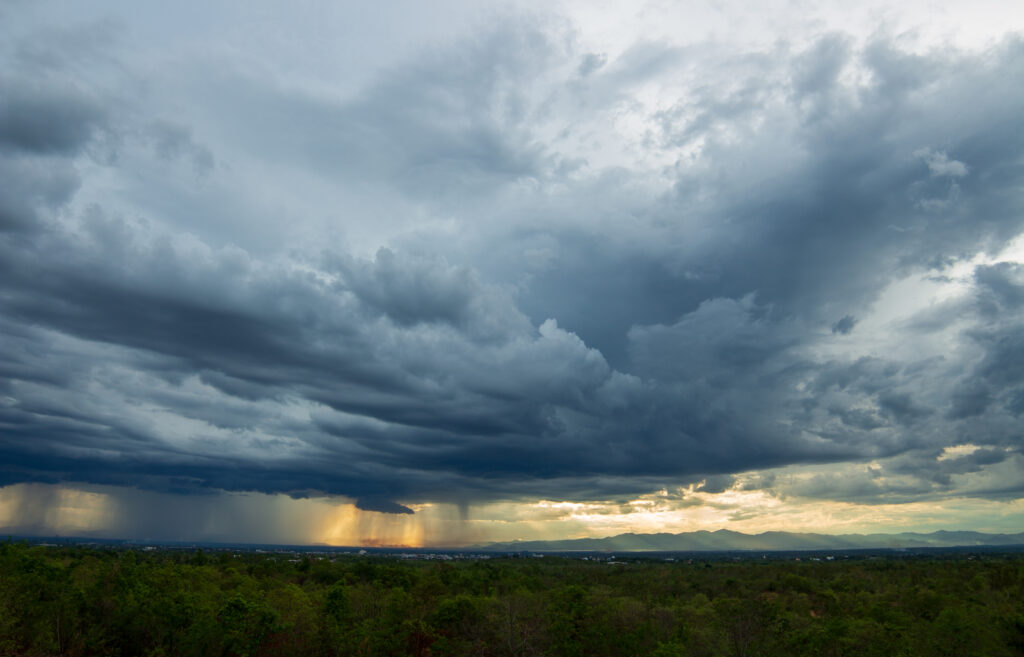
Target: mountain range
{"x": 724, "y": 540}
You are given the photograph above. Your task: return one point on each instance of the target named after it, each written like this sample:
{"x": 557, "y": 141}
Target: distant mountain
{"x": 723, "y": 539}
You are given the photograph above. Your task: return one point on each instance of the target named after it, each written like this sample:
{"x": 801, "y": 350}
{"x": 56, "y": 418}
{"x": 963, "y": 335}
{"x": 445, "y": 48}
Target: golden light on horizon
{"x": 348, "y": 525}
{"x": 55, "y": 509}
{"x": 251, "y": 517}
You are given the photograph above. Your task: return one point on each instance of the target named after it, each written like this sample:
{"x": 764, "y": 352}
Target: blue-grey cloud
{"x": 547, "y": 329}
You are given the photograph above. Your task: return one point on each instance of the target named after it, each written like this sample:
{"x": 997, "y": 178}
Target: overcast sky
{"x": 436, "y": 273}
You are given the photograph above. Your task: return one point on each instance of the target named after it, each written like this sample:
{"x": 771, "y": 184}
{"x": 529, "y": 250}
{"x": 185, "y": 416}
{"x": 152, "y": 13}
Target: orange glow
{"x": 347, "y": 525}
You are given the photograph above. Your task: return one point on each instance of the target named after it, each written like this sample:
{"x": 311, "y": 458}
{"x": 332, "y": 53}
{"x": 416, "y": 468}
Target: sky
{"x": 447, "y": 273}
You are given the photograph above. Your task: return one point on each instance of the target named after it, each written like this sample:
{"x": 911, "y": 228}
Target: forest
{"x": 85, "y": 601}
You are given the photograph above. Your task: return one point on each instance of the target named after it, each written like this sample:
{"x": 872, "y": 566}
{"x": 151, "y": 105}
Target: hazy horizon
{"x": 35, "y": 536}
{"x": 450, "y": 274}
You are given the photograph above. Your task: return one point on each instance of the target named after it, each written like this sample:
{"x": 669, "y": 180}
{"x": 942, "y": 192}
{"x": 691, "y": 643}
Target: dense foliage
{"x": 86, "y": 601}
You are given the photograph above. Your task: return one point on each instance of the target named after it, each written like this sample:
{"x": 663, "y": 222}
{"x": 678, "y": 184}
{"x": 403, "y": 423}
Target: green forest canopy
{"x": 87, "y": 601}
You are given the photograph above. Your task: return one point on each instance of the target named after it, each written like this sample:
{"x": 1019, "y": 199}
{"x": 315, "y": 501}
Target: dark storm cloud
{"x": 449, "y": 126}
{"x": 716, "y": 484}
{"x": 418, "y": 290}
{"x": 915, "y": 477}
{"x": 685, "y": 348}
{"x": 970, "y": 401}
{"x": 172, "y": 141}
{"x": 40, "y": 129}
{"x": 845, "y": 324}
{"x": 47, "y": 120}
{"x": 32, "y": 185}
{"x": 381, "y": 506}
{"x": 814, "y": 212}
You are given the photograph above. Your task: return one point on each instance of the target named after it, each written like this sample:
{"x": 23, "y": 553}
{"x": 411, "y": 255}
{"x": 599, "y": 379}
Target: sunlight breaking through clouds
{"x": 47, "y": 510}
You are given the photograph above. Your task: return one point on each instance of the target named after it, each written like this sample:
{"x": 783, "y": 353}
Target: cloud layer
{"x": 506, "y": 267}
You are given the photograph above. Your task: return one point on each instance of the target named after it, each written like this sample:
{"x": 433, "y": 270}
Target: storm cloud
{"x": 502, "y": 267}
